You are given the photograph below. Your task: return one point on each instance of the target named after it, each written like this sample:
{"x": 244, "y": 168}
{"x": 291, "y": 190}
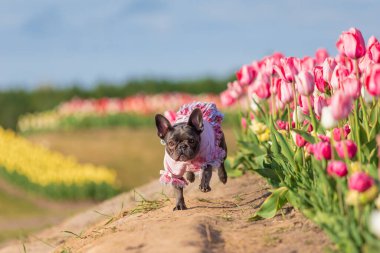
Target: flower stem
{"x": 312, "y": 116}
{"x": 357, "y": 131}
{"x": 295, "y": 103}
{"x": 289, "y": 120}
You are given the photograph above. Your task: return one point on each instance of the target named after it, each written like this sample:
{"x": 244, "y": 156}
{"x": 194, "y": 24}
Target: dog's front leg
{"x": 205, "y": 180}
{"x": 179, "y": 199}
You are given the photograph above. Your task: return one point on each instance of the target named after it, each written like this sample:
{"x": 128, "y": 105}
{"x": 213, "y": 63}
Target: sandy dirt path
{"x": 215, "y": 222}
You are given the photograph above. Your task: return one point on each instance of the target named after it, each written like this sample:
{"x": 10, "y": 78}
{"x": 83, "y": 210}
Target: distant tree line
{"x": 16, "y": 102}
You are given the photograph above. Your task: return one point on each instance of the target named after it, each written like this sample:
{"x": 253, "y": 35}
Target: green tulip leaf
{"x": 271, "y": 205}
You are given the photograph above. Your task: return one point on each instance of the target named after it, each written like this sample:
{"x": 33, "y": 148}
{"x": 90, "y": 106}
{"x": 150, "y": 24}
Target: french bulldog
{"x": 184, "y": 143}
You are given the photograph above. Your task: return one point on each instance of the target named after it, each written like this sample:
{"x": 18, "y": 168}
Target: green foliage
{"x": 18, "y": 102}
{"x": 300, "y": 179}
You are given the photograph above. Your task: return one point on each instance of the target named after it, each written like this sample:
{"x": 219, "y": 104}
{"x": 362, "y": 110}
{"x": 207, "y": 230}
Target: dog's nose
{"x": 183, "y": 147}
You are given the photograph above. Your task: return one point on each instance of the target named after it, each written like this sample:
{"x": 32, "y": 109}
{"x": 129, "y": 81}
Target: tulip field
{"x": 311, "y": 133}
{"x": 50, "y": 173}
{"x": 132, "y": 111}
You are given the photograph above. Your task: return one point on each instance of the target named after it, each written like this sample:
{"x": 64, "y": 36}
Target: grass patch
{"x": 145, "y": 205}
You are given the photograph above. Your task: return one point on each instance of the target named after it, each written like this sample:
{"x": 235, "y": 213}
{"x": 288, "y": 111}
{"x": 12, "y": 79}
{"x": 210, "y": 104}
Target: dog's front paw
{"x": 204, "y": 187}
{"x": 190, "y": 176}
{"x": 180, "y": 206}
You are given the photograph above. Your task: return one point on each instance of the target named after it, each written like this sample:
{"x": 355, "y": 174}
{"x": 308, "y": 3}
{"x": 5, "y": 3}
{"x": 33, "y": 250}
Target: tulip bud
{"x": 320, "y": 55}
{"x": 338, "y": 132}
{"x": 337, "y": 168}
{"x": 346, "y": 146}
{"x": 282, "y": 125}
{"x": 373, "y": 49}
{"x": 352, "y": 87}
{"x": 319, "y": 103}
{"x": 305, "y": 83}
{"x": 340, "y": 72}
{"x": 327, "y": 119}
{"x": 318, "y": 79}
{"x": 341, "y": 105}
{"x": 372, "y": 81}
{"x": 226, "y": 98}
{"x": 298, "y": 115}
{"x": 352, "y": 43}
{"x": 285, "y": 92}
{"x": 246, "y": 74}
{"x": 300, "y": 141}
{"x": 322, "y": 150}
{"x": 360, "y": 181}
{"x": 243, "y": 123}
{"x": 328, "y": 68}
{"x": 261, "y": 86}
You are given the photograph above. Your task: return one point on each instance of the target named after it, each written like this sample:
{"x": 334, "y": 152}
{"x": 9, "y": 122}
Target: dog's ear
{"x": 196, "y": 119}
{"x": 163, "y": 125}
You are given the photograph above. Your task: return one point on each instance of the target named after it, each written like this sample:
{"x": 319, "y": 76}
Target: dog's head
{"x": 182, "y": 140}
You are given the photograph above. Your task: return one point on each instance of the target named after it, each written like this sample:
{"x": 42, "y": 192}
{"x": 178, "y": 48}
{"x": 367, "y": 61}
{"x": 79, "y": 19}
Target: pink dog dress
{"x": 210, "y": 152}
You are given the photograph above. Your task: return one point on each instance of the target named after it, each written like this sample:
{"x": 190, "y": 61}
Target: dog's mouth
{"x": 182, "y": 158}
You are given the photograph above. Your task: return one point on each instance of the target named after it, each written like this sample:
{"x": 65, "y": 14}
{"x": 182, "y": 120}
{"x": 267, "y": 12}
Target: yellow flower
{"x": 355, "y": 198}
{"x": 264, "y": 136}
{"x": 354, "y": 167}
{"x": 258, "y": 127}
{"x": 44, "y": 167}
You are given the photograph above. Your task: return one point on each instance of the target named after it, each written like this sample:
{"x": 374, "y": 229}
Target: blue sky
{"x": 61, "y": 42}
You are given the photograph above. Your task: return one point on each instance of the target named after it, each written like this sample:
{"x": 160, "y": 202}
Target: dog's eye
{"x": 191, "y": 140}
{"x": 171, "y": 143}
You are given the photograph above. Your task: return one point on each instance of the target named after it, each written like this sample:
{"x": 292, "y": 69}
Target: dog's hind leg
{"x": 180, "y": 200}
{"x": 222, "y": 174}
{"x": 205, "y": 180}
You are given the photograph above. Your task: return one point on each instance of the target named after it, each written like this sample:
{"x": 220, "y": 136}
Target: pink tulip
{"x": 341, "y": 105}
{"x": 300, "y": 141}
{"x": 352, "y": 86}
{"x": 309, "y": 148}
{"x": 246, "y": 75}
{"x": 310, "y": 127}
{"x": 346, "y": 145}
{"x": 282, "y": 125}
{"x": 243, "y": 123}
{"x": 288, "y": 69}
{"x": 328, "y": 68}
{"x": 372, "y": 80}
{"x": 305, "y": 83}
{"x": 261, "y": 86}
{"x": 373, "y": 49}
{"x": 323, "y": 138}
{"x": 304, "y": 103}
{"x": 235, "y": 89}
{"x": 340, "y": 72}
{"x": 322, "y": 150}
{"x": 307, "y": 63}
{"x": 227, "y": 99}
{"x": 365, "y": 64}
{"x": 360, "y": 181}
{"x": 284, "y": 91}
{"x": 320, "y": 55}
{"x": 318, "y": 79}
{"x": 352, "y": 43}
{"x": 337, "y": 168}
{"x": 338, "y": 132}
{"x": 319, "y": 103}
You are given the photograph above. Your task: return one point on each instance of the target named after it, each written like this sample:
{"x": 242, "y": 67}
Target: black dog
{"x": 187, "y": 146}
